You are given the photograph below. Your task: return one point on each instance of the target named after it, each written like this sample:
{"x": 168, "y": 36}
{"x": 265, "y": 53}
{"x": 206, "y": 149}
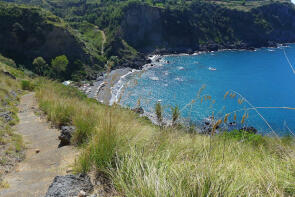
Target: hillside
{"x": 132, "y": 157}
{"x": 30, "y": 32}
{"x": 129, "y": 156}
{"x": 203, "y": 26}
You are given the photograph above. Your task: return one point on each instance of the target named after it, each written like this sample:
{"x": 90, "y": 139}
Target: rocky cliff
{"x": 204, "y": 26}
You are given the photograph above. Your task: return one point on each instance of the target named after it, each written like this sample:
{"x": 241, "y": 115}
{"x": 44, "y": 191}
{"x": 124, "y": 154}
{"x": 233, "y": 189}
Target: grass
{"x": 27, "y": 85}
{"x": 143, "y": 160}
{"x": 3, "y": 184}
{"x": 11, "y": 144}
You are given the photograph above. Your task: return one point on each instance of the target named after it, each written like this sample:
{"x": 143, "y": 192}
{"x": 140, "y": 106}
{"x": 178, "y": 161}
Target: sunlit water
{"x": 263, "y": 77}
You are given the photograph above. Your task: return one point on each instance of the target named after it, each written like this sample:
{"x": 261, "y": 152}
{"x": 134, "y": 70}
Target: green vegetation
{"x": 30, "y": 33}
{"x": 175, "y": 115}
{"x": 159, "y": 112}
{"x": 11, "y": 144}
{"x": 40, "y": 66}
{"x": 59, "y": 64}
{"x": 143, "y": 160}
{"x": 96, "y": 31}
{"x": 27, "y": 85}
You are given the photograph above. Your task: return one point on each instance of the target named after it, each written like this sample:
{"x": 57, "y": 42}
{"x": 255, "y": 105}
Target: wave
{"x": 178, "y": 79}
{"x": 117, "y": 88}
{"x": 154, "y": 78}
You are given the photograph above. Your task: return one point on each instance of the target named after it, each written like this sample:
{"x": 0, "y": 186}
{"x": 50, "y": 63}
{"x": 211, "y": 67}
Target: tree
{"x": 59, "y": 64}
{"x": 40, "y": 66}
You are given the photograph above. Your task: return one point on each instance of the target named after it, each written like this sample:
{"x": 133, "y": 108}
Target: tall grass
{"x": 11, "y": 144}
{"x": 143, "y": 160}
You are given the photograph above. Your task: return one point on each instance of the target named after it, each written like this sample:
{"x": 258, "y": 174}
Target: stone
{"x": 13, "y": 94}
{"x": 138, "y": 110}
{"x": 6, "y": 116}
{"x": 249, "y": 130}
{"x": 70, "y": 185}
{"x": 66, "y": 135}
{"x": 82, "y": 194}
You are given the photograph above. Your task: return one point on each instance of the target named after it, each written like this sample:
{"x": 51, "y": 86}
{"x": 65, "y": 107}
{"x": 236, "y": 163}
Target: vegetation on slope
{"x": 30, "y": 32}
{"x": 135, "y": 27}
{"x": 142, "y": 159}
{"x": 11, "y": 144}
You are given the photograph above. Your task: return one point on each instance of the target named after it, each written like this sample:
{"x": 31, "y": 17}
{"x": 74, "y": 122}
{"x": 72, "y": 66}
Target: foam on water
{"x": 264, "y": 77}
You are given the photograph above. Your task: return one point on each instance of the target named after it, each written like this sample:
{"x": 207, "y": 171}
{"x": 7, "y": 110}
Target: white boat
{"x": 211, "y": 68}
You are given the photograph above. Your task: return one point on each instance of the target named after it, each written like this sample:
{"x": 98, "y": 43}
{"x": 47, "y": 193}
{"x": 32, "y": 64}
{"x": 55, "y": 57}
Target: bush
{"x": 40, "y": 66}
{"x": 245, "y": 136}
{"x": 59, "y": 64}
{"x": 27, "y": 85}
{"x": 159, "y": 112}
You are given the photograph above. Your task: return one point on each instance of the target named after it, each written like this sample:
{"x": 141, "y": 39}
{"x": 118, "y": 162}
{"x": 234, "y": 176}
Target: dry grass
{"x": 11, "y": 144}
{"x": 143, "y": 160}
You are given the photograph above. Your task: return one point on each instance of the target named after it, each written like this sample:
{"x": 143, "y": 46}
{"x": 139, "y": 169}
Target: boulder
{"x": 138, "y": 110}
{"x": 6, "y": 116}
{"x": 66, "y": 135}
{"x": 69, "y": 185}
{"x": 249, "y": 130}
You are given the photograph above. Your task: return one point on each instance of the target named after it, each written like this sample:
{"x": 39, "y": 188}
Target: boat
{"x": 211, "y": 68}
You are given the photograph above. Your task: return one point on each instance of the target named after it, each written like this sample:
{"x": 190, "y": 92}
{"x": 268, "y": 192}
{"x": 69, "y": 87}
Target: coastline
{"x": 110, "y": 94}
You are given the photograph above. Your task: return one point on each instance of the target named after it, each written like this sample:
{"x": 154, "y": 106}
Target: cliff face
{"x": 26, "y": 33}
{"x": 205, "y": 26}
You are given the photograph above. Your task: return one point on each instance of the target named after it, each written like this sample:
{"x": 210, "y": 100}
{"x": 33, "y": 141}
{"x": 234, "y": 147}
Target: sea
{"x": 250, "y": 88}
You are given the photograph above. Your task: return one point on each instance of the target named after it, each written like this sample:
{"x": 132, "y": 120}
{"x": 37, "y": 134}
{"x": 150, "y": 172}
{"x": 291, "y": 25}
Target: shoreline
{"x": 207, "y": 48}
{"x": 112, "y": 95}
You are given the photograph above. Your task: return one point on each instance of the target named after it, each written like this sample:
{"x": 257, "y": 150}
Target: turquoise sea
{"x": 263, "y": 77}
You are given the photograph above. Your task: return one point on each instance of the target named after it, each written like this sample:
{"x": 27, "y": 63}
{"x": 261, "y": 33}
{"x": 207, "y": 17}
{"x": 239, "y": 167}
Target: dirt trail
{"x": 103, "y": 41}
{"x": 33, "y": 176}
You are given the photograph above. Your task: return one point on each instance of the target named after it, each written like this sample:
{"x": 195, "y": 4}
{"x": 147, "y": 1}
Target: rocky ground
{"x": 11, "y": 147}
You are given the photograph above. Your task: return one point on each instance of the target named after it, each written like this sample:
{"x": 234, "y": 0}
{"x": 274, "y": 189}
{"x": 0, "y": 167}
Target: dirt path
{"x": 103, "y": 41}
{"x": 33, "y": 176}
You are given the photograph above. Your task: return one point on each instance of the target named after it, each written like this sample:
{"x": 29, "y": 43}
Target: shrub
{"x": 245, "y": 136}
{"x": 175, "y": 114}
{"x": 159, "y": 112}
{"x": 27, "y": 85}
{"x": 59, "y": 64}
{"x": 40, "y": 66}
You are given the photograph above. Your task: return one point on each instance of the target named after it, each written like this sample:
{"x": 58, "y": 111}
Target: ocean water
{"x": 263, "y": 77}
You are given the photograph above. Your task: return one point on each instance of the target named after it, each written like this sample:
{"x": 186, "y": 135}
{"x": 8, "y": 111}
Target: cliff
{"x": 206, "y": 26}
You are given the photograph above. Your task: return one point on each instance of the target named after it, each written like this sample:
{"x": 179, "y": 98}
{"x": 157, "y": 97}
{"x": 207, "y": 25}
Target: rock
{"x": 82, "y": 194}
{"x": 37, "y": 151}
{"x": 6, "y": 116}
{"x": 138, "y": 110}
{"x": 249, "y": 130}
{"x": 69, "y": 185}
{"x": 13, "y": 94}
{"x": 66, "y": 135}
